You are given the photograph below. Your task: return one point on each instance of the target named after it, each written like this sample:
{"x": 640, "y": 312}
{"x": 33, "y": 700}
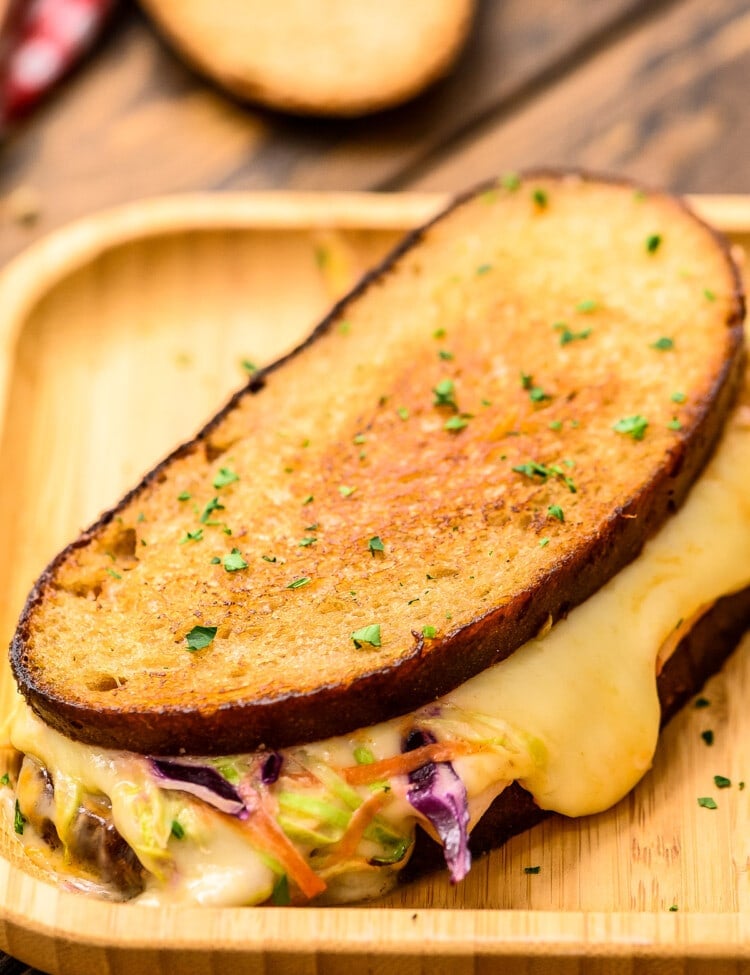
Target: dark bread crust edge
{"x": 422, "y": 675}
{"x": 700, "y": 653}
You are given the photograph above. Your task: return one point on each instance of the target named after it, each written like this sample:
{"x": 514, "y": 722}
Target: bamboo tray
{"x": 118, "y": 336}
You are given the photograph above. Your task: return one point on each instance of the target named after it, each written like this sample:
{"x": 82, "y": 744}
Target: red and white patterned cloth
{"x": 41, "y": 40}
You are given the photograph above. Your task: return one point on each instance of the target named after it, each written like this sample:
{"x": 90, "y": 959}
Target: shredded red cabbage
{"x": 439, "y": 794}
{"x": 202, "y": 781}
{"x": 271, "y": 768}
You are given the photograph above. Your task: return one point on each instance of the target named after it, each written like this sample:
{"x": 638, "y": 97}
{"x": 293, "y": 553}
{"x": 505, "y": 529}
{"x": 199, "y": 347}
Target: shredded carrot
{"x": 269, "y": 837}
{"x": 439, "y": 751}
{"x": 361, "y": 819}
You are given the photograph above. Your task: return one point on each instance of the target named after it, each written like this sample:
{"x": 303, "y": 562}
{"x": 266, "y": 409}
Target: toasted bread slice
{"x": 334, "y": 57}
{"x": 486, "y": 430}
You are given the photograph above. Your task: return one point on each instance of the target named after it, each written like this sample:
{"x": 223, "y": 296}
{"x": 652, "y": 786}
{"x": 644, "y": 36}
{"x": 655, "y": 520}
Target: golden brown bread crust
{"x": 699, "y": 654}
{"x": 336, "y": 58}
{"x": 104, "y": 658}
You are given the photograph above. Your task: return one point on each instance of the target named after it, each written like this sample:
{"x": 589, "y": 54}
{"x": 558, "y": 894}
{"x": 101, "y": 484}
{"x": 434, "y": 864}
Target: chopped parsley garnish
{"x": 674, "y": 424}
{"x": 722, "y": 782}
{"x": 224, "y": 477}
{"x": 567, "y": 335}
{"x": 359, "y": 439}
{"x": 543, "y": 542}
{"x": 299, "y": 583}
{"x": 678, "y": 397}
{"x": 403, "y": 412}
{"x": 537, "y": 394}
{"x": 115, "y": 575}
{"x": 706, "y": 802}
{"x": 556, "y": 512}
{"x": 216, "y": 560}
{"x": 445, "y": 355}
{"x": 268, "y": 558}
{"x": 307, "y": 541}
{"x": 740, "y": 786}
{"x": 540, "y": 197}
{"x": 510, "y": 182}
{"x": 455, "y": 423}
{"x": 531, "y": 869}
{"x": 375, "y": 544}
{"x": 249, "y": 366}
{"x": 19, "y": 820}
{"x": 709, "y": 295}
{"x": 664, "y": 344}
{"x": 484, "y": 269}
{"x": 4, "y": 779}
{"x": 195, "y": 536}
{"x": 439, "y": 333}
{"x": 177, "y": 830}
{"x": 234, "y": 561}
{"x": 200, "y": 637}
{"x": 633, "y": 426}
{"x": 653, "y": 243}
{"x": 345, "y": 491}
{"x": 708, "y": 737}
{"x": 308, "y": 500}
{"x": 445, "y": 393}
{"x": 184, "y": 496}
{"x": 587, "y": 306}
{"x": 280, "y": 896}
{"x": 534, "y": 469}
{"x": 673, "y": 907}
{"x": 367, "y": 634}
{"x": 555, "y": 425}
{"x": 213, "y": 505}
{"x": 701, "y": 702}
{"x": 429, "y": 632}
{"x": 363, "y": 755}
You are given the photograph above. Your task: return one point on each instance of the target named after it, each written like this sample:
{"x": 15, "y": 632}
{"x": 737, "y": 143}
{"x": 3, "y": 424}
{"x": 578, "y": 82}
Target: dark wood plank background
{"x": 654, "y": 89}
{"x": 657, "y": 89}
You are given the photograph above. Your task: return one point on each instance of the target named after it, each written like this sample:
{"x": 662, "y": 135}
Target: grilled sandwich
{"x": 447, "y": 565}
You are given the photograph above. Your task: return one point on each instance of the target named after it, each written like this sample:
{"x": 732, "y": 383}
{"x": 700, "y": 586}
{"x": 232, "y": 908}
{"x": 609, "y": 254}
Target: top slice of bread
{"x": 479, "y": 436}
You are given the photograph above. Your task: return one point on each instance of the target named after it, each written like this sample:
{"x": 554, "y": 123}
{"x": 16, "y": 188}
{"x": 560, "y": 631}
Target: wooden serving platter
{"x": 118, "y": 336}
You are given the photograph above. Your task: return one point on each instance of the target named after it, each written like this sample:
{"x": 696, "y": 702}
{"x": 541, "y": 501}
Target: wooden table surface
{"x": 654, "y": 89}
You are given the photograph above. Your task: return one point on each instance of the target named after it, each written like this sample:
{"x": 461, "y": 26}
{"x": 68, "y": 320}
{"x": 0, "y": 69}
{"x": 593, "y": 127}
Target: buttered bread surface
{"x": 474, "y": 441}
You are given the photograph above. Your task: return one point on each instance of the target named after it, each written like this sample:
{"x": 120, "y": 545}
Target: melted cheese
{"x": 579, "y": 703}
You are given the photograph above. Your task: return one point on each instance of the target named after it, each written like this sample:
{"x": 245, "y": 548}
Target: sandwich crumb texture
{"x": 478, "y": 437}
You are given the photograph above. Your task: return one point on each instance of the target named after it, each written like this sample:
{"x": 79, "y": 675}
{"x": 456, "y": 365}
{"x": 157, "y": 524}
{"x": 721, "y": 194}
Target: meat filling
{"x": 92, "y": 839}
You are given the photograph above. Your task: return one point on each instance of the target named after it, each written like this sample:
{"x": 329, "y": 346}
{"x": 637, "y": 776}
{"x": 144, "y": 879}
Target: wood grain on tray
{"x": 118, "y": 337}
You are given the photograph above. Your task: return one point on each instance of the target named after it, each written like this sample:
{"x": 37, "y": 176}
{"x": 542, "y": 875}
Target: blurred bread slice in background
{"x": 318, "y": 57}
